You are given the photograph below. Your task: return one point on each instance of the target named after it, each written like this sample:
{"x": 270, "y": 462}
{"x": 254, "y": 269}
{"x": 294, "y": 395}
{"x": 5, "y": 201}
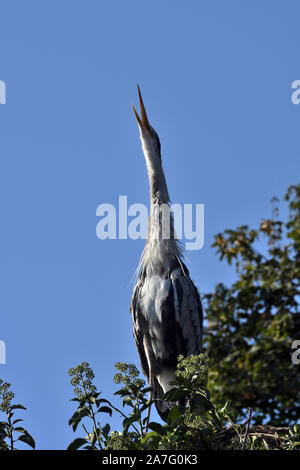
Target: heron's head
{"x": 149, "y": 137}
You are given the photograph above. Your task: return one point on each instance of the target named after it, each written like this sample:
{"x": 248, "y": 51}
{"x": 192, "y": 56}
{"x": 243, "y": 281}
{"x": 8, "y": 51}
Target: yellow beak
{"x": 144, "y": 121}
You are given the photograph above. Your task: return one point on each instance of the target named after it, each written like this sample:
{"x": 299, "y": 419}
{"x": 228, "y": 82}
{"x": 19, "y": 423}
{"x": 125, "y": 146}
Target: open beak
{"x": 143, "y": 123}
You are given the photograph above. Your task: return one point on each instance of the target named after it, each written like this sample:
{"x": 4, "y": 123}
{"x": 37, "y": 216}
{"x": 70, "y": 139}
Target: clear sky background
{"x": 216, "y": 80}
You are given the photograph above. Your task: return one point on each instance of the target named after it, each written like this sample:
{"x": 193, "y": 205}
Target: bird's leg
{"x": 149, "y": 411}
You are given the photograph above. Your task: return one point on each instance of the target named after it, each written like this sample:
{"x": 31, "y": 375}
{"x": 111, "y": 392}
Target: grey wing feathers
{"x": 171, "y": 328}
{"x": 181, "y": 317}
{"x": 140, "y": 329}
{"x": 188, "y": 310}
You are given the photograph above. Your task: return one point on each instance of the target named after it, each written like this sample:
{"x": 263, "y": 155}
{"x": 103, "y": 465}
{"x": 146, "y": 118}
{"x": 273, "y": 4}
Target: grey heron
{"x": 166, "y": 307}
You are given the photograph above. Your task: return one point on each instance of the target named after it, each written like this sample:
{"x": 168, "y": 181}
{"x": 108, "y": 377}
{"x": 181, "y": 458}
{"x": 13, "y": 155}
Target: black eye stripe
{"x": 158, "y": 142}
{"x": 156, "y": 138}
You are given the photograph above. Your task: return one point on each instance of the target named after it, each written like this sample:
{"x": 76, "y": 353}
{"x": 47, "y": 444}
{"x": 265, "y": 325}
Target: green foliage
{"x": 89, "y": 406}
{"x": 252, "y": 324}
{"x": 196, "y": 425}
{"x": 248, "y": 340}
{"x": 193, "y": 424}
{"x": 293, "y": 439}
{"x": 135, "y": 396}
{"x": 9, "y": 433}
{"x": 251, "y": 328}
{"x": 193, "y": 370}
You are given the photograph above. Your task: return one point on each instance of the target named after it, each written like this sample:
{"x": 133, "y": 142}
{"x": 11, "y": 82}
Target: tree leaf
{"x": 21, "y": 407}
{"x": 77, "y": 443}
{"x": 17, "y": 421}
{"x": 157, "y": 428}
{"x": 77, "y": 416}
{"x": 18, "y": 429}
{"x": 148, "y": 436}
{"x": 105, "y": 430}
{"x": 127, "y": 401}
{"x": 175, "y": 394}
{"x": 174, "y": 415}
{"x": 28, "y": 439}
{"x": 105, "y": 409}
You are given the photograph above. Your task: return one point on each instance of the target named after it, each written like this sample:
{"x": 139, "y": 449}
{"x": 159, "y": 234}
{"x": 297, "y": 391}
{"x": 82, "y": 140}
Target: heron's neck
{"x": 157, "y": 180}
{"x": 161, "y": 248}
{"x": 158, "y": 185}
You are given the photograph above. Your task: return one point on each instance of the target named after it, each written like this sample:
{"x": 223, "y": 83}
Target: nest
{"x": 269, "y": 436}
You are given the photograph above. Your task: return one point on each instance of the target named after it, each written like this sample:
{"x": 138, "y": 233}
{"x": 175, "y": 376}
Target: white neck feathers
{"x": 162, "y": 249}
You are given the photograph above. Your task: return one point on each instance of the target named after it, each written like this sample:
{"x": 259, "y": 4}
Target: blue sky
{"x": 216, "y": 80}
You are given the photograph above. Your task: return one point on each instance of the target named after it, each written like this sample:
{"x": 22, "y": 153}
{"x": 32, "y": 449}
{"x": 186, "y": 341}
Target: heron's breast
{"x": 153, "y": 293}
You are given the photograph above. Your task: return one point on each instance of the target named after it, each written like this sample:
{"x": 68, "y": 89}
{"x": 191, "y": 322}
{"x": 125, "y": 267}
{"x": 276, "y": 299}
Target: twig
{"x": 84, "y": 428}
{"x": 273, "y": 436}
{"x": 122, "y": 414}
{"x": 89, "y": 437}
{"x": 92, "y": 413}
{"x": 247, "y": 427}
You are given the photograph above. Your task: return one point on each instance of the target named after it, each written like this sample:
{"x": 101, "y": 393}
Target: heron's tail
{"x": 163, "y": 407}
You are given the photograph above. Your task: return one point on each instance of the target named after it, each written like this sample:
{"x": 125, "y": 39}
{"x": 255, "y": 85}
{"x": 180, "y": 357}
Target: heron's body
{"x": 166, "y": 306}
